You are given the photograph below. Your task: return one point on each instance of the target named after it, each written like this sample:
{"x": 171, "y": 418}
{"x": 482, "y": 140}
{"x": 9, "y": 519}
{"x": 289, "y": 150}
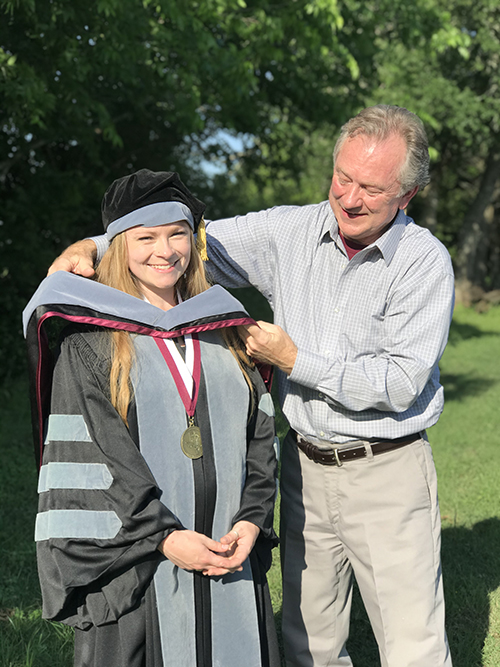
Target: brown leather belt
{"x": 350, "y": 453}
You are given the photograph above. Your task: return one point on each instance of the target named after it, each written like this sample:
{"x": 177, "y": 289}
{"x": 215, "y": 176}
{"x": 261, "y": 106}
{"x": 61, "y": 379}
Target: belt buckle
{"x": 337, "y": 458}
{"x": 347, "y": 448}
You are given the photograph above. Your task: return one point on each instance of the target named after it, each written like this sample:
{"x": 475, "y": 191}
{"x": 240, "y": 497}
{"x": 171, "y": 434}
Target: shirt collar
{"x": 330, "y": 225}
{"x": 387, "y": 243}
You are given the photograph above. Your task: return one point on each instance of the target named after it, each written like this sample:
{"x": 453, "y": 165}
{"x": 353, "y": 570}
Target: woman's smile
{"x": 158, "y": 257}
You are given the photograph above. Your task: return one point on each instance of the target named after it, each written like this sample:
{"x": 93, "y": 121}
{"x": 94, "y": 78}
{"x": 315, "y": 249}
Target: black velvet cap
{"x": 143, "y": 188}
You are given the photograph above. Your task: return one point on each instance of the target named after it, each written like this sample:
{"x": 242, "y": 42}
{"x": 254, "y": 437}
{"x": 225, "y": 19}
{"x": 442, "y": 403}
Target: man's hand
{"x": 78, "y": 258}
{"x": 190, "y": 550}
{"x": 269, "y": 343}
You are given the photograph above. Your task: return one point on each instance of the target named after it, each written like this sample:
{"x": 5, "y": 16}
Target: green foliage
{"x": 272, "y": 185}
{"x": 91, "y": 91}
{"x": 452, "y": 84}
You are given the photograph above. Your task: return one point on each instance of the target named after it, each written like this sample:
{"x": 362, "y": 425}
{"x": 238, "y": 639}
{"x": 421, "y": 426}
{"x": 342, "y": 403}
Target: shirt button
{"x": 335, "y": 310}
{"x": 321, "y": 434}
{"x": 321, "y": 395}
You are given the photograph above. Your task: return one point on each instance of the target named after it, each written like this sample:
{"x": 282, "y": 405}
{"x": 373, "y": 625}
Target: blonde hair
{"x": 114, "y": 271}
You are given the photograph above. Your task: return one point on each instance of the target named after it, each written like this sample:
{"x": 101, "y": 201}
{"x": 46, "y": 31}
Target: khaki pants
{"x": 379, "y": 518}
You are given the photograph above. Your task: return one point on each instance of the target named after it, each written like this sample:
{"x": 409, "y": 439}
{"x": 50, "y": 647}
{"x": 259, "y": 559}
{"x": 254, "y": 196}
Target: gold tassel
{"x": 201, "y": 241}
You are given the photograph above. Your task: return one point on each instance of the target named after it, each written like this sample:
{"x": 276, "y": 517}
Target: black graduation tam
{"x": 149, "y": 198}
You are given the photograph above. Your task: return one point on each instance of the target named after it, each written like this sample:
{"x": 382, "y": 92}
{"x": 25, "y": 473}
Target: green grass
{"x": 466, "y": 445}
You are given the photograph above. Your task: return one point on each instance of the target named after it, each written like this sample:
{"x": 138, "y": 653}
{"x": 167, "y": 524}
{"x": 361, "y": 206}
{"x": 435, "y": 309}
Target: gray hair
{"x": 381, "y": 121}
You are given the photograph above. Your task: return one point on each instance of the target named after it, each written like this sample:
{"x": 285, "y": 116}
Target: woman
{"x": 158, "y": 479}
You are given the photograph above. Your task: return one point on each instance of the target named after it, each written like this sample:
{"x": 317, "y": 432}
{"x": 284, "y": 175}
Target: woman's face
{"x": 158, "y": 257}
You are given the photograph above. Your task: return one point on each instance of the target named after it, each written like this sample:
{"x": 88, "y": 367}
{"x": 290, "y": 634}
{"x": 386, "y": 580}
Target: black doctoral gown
{"x": 110, "y": 493}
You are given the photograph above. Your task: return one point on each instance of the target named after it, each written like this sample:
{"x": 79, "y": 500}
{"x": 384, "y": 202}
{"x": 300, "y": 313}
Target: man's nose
{"x": 352, "y": 196}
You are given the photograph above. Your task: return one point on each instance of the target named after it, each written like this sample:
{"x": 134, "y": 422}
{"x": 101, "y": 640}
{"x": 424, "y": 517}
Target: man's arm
{"x": 240, "y": 255}
{"x": 240, "y": 249}
{"x": 392, "y": 375}
{"x": 387, "y": 376}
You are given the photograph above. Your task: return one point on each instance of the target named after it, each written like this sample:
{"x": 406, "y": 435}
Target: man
{"x": 362, "y": 301}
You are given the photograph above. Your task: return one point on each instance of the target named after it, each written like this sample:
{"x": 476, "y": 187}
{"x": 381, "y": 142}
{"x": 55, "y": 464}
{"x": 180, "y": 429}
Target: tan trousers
{"x": 379, "y": 518}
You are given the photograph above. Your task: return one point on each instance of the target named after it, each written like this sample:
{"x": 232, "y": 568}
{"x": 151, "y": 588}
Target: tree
{"x": 453, "y": 87}
{"x": 91, "y": 91}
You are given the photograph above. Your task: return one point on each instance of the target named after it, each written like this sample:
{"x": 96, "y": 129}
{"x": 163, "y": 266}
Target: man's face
{"x": 364, "y": 194}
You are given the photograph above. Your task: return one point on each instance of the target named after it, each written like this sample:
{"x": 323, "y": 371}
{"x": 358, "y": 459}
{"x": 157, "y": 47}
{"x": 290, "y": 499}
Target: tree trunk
{"x": 429, "y": 202}
{"x": 495, "y": 252}
{"x": 473, "y": 245}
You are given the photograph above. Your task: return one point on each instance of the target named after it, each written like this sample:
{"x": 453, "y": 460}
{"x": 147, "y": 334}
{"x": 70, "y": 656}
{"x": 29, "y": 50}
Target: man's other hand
{"x": 78, "y": 258}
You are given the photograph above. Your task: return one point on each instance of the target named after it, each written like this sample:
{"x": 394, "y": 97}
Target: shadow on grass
{"x": 277, "y": 622}
{"x": 471, "y": 568}
{"x": 459, "y": 387}
{"x": 361, "y": 644}
{"x": 460, "y": 331}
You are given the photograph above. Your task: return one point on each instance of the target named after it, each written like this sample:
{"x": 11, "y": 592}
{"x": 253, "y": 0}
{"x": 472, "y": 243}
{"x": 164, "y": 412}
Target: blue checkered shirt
{"x": 369, "y": 331}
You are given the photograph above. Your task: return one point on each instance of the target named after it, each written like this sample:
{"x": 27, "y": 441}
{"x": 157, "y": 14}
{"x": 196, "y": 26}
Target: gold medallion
{"x": 191, "y": 442}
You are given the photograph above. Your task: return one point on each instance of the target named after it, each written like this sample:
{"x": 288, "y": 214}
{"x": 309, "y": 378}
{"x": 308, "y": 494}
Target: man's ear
{"x": 406, "y": 198}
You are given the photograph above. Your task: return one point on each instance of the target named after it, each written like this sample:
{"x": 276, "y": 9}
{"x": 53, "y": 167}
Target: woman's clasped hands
{"x": 190, "y": 550}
